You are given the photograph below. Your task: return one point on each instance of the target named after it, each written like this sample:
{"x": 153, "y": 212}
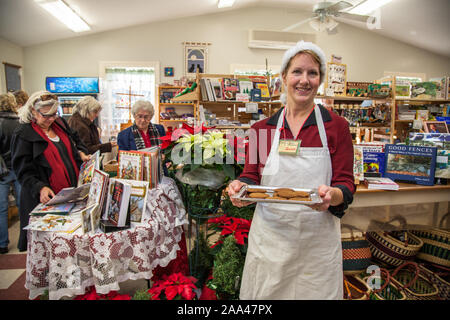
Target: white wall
{"x": 366, "y": 54}
{"x": 13, "y": 54}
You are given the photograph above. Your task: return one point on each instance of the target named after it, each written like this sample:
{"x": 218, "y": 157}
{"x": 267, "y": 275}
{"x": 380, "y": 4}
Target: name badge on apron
{"x": 289, "y": 147}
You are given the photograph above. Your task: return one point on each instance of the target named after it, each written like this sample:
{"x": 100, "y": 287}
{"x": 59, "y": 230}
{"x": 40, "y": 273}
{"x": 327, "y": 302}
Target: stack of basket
{"x": 436, "y": 255}
{"x": 415, "y": 285}
{"x": 436, "y": 247}
{"x": 111, "y": 168}
{"x": 355, "y": 251}
{"x": 386, "y": 246}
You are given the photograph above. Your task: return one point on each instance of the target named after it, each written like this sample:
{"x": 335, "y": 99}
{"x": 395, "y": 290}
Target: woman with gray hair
{"x": 45, "y": 157}
{"x": 142, "y": 134}
{"x": 82, "y": 121}
{"x": 8, "y": 122}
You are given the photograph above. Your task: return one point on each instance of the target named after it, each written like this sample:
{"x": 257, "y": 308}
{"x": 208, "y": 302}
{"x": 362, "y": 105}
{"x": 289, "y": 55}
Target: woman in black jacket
{"x": 8, "y": 122}
{"x": 45, "y": 157}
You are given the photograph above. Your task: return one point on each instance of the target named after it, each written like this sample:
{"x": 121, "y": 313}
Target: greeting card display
{"x": 410, "y": 163}
{"x": 336, "y": 79}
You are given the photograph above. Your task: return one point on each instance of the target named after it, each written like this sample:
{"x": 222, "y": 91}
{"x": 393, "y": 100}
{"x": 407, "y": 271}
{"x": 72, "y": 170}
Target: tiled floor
{"x": 12, "y": 267}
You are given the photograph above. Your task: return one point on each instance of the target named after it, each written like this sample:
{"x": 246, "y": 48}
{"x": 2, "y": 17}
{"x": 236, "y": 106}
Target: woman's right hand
{"x": 46, "y": 194}
{"x": 234, "y": 188}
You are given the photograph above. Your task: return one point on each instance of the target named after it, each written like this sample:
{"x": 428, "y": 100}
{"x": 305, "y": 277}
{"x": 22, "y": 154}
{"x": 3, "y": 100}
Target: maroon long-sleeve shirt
{"x": 339, "y": 143}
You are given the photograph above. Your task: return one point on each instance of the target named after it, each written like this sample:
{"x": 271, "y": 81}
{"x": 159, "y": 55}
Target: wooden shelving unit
{"x": 166, "y": 102}
{"x": 228, "y": 109}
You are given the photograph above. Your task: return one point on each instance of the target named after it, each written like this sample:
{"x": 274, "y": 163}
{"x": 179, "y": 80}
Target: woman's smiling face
{"x": 302, "y": 79}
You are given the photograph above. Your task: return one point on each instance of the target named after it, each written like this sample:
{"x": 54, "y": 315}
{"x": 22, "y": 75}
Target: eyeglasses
{"x": 148, "y": 118}
{"x": 48, "y": 116}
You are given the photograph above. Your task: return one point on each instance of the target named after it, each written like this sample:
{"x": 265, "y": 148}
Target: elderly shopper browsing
{"x": 45, "y": 157}
{"x": 294, "y": 250}
{"x": 8, "y": 123}
{"x": 142, "y": 134}
{"x": 82, "y": 121}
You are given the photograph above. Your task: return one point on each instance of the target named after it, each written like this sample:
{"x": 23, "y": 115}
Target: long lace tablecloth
{"x": 66, "y": 264}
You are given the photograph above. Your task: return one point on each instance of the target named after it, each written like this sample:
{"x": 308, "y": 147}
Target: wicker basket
{"x": 415, "y": 285}
{"x": 439, "y": 276}
{"x": 111, "y": 167}
{"x": 355, "y": 288}
{"x": 436, "y": 244}
{"x": 386, "y": 247}
{"x": 355, "y": 252}
{"x": 388, "y": 289}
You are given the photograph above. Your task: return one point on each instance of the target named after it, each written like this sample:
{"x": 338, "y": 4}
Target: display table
{"x": 66, "y": 264}
{"x": 419, "y": 205}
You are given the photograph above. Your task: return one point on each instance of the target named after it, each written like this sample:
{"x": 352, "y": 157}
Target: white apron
{"x": 294, "y": 252}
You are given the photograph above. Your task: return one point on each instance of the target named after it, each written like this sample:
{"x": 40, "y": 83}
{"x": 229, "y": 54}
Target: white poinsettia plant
{"x": 203, "y": 153}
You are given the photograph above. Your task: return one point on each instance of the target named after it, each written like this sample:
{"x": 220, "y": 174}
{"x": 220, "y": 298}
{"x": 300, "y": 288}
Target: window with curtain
{"x": 120, "y": 88}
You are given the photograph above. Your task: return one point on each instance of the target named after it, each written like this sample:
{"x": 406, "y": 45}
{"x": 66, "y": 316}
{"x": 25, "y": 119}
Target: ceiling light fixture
{"x": 61, "y": 11}
{"x": 322, "y": 25}
{"x": 368, "y": 6}
{"x": 225, "y": 3}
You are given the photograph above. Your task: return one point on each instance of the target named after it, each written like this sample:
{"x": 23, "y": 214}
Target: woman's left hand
{"x": 84, "y": 157}
{"x": 327, "y": 194}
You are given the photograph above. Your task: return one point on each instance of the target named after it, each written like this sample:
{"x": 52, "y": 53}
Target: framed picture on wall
{"x": 168, "y": 72}
{"x": 195, "y": 58}
{"x": 435, "y": 127}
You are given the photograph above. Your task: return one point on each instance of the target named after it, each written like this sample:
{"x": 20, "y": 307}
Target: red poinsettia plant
{"x": 91, "y": 294}
{"x": 238, "y": 227}
{"x": 174, "y": 287}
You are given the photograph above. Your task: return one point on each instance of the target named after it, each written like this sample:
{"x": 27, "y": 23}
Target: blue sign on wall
{"x": 72, "y": 84}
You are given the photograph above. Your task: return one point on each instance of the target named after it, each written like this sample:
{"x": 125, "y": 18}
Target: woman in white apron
{"x": 294, "y": 251}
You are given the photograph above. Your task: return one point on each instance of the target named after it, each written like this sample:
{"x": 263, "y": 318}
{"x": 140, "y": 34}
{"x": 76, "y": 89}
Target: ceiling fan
{"x": 324, "y": 14}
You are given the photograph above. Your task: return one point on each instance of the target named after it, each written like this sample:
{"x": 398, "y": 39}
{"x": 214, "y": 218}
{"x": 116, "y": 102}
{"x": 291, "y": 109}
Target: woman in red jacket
{"x": 294, "y": 251}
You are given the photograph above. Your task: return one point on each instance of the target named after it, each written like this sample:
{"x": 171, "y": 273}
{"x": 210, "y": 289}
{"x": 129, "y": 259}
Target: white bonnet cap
{"x": 299, "y": 47}
{"x": 302, "y": 46}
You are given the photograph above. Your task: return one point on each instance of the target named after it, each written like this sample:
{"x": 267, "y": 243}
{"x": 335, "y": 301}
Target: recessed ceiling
{"x": 424, "y": 24}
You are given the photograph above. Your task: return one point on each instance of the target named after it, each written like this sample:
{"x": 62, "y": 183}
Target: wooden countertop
{"x": 361, "y": 188}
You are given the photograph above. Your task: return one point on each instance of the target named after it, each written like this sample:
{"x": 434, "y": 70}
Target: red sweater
{"x": 339, "y": 143}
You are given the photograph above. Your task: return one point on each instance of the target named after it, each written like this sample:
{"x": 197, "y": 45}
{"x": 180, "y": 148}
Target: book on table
{"x": 57, "y": 209}
{"x": 98, "y": 189}
{"x": 87, "y": 169}
{"x": 70, "y": 195}
{"x": 55, "y": 223}
{"x": 130, "y": 165}
{"x": 87, "y": 224}
{"x": 138, "y": 198}
{"x": 118, "y": 202}
{"x": 380, "y": 183}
